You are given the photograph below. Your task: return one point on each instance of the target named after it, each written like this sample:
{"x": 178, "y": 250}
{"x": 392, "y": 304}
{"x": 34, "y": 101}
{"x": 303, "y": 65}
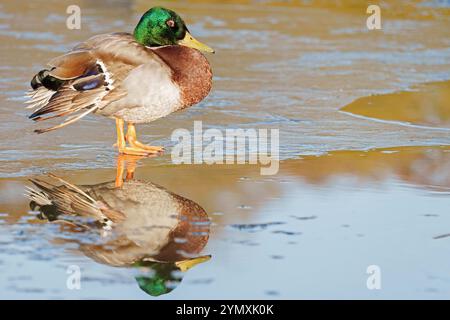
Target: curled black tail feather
{"x": 43, "y": 78}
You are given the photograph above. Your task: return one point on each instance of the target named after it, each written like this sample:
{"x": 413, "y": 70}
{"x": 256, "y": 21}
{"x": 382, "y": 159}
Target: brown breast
{"x": 193, "y": 226}
{"x": 190, "y": 70}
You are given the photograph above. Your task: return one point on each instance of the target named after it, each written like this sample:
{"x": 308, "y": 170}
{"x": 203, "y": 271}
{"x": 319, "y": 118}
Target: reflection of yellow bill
{"x": 185, "y": 265}
{"x": 191, "y": 42}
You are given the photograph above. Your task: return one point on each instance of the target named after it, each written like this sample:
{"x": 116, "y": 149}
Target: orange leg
{"x": 131, "y": 166}
{"x": 132, "y": 140}
{"x": 134, "y": 149}
{"x": 128, "y": 162}
{"x": 119, "y": 171}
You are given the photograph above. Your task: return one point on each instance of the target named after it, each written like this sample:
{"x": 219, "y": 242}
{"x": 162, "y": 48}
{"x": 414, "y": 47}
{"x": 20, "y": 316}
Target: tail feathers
{"x": 70, "y": 98}
{"x": 68, "y": 199}
{"x": 72, "y": 200}
{"x": 68, "y": 103}
{"x": 37, "y": 99}
{"x": 68, "y": 121}
{"x": 39, "y": 197}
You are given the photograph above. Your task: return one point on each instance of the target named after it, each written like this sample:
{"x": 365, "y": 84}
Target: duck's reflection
{"x": 142, "y": 224}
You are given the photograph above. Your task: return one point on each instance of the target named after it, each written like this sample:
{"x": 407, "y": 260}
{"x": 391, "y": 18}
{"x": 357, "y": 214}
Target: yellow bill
{"x": 191, "y": 42}
{"x": 185, "y": 265}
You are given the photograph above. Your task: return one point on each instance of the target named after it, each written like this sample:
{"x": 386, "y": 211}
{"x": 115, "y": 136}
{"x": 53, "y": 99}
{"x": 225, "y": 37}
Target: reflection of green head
{"x": 157, "y": 282}
{"x": 164, "y": 277}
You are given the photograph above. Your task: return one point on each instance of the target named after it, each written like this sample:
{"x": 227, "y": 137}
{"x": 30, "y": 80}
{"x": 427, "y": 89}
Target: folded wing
{"x": 84, "y": 80}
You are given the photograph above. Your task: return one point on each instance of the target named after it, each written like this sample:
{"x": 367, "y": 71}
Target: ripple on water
{"x": 442, "y": 236}
{"x": 288, "y": 233}
{"x": 254, "y": 227}
{"x": 244, "y": 207}
{"x": 304, "y": 218}
{"x": 272, "y": 293}
{"x": 277, "y": 257}
{"x": 31, "y": 35}
{"x": 202, "y": 281}
{"x": 247, "y": 242}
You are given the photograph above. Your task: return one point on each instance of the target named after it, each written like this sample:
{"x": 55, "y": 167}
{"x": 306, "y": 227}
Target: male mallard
{"x": 133, "y": 78}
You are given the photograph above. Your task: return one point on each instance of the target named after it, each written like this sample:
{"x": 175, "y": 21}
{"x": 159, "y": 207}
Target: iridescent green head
{"x": 162, "y": 27}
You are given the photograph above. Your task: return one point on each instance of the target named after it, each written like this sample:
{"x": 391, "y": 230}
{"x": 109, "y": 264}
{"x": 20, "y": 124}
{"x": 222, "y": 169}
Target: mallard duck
{"x": 132, "y": 78}
{"x": 146, "y": 226}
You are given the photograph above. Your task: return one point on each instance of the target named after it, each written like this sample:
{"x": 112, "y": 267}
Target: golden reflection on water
{"x": 426, "y": 104}
{"x": 425, "y": 167}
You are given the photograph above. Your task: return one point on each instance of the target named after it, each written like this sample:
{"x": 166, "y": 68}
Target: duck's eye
{"x": 170, "y": 23}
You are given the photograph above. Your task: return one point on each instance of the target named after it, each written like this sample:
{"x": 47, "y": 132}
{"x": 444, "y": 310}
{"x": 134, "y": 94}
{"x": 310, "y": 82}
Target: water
{"x": 358, "y": 186}
{"x": 310, "y": 232}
